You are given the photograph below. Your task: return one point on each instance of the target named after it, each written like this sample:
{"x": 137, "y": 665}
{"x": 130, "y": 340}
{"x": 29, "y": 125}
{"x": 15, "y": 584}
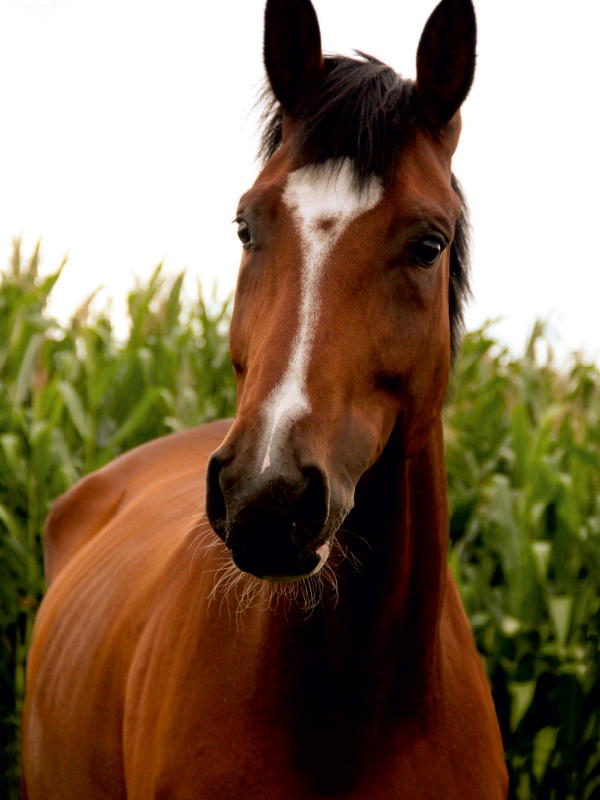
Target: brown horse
{"x": 270, "y": 667}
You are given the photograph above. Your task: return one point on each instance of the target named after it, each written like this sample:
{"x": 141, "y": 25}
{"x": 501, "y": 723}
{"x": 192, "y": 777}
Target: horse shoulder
{"x": 82, "y": 511}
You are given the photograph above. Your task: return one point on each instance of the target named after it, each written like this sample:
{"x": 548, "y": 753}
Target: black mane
{"x": 365, "y": 111}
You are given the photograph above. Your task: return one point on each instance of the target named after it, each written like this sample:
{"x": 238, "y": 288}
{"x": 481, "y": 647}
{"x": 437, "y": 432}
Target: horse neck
{"x": 379, "y": 642}
{"x": 401, "y": 510}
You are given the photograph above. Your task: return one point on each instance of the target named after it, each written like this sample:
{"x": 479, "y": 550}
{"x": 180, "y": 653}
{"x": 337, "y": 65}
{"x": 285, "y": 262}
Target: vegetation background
{"x": 523, "y": 458}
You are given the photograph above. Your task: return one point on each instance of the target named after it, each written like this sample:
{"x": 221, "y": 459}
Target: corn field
{"x": 523, "y": 457}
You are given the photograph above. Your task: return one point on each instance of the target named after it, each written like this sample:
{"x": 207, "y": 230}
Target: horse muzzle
{"x": 274, "y": 522}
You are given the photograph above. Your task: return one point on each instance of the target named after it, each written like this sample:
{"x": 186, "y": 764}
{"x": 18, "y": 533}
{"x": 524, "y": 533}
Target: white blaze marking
{"x": 315, "y": 195}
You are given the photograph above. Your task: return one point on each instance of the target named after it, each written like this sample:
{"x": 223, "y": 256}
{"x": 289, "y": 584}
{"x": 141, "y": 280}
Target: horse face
{"x": 340, "y": 332}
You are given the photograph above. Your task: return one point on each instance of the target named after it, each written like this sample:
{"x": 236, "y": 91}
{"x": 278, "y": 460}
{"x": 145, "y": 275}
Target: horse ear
{"x": 446, "y": 60}
{"x": 292, "y": 51}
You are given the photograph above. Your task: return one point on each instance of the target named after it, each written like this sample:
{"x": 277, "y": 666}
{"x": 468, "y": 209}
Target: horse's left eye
{"x": 243, "y": 232}
{"x": 427, "y": 251}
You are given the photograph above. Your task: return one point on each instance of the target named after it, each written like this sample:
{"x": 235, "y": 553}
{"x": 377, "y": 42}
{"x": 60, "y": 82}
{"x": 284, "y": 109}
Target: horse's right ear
{"x": 292, "y": 51}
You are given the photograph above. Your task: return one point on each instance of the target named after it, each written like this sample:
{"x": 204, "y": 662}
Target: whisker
{"x": 195, "y": 524}
{"x": 202, "y": 535}
{"x": 240, "y": 591}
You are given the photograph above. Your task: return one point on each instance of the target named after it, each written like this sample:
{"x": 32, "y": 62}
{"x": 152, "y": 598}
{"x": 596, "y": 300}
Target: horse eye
{"x": 243, "y": 232}
{"x": 427, "y": 251}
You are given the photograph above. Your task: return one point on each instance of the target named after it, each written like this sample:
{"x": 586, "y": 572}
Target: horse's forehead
{"x": 316, "y": 191}
{"x": 328, "y": 192}
{"x": 326, "y": 198}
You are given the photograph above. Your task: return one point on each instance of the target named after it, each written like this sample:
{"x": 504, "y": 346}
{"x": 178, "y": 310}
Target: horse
{"x": 315, "y": 646}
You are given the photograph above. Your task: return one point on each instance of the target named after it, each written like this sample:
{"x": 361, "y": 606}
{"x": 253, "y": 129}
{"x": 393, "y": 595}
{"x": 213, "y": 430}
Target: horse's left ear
{"x": 292, "y": 51}
{"x": 446, "y": 61}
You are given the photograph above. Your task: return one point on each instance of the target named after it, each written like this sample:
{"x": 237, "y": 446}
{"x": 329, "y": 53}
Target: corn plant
{"x": 523, "y": 455}
{"x": 72, "y": 398}
{"x": 523, "y": 458}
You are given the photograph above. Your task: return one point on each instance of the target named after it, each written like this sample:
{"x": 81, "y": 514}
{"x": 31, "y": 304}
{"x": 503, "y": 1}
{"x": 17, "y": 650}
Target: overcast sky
{"x": 126, "y": 138}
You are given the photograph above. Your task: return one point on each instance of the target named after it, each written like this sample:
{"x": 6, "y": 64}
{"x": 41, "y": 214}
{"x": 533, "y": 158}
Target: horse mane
{"x": 365, "y": 111}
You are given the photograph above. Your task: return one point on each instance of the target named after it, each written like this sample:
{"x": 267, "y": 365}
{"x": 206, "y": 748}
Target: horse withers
{"x": 316, "y": 645}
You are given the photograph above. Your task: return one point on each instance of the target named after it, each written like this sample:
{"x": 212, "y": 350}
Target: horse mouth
{"x": 304, "y": 565}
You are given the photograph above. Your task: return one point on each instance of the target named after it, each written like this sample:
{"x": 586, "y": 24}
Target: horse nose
{"x": 272, "y": 521}
{"x": 295, "y": 495}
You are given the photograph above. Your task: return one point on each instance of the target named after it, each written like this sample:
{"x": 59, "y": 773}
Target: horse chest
{"x": 233, "y": 726}
{"x": 229, "y": 757}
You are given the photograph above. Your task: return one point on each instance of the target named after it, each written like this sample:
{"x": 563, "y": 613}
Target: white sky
{"x": 125, "y": 139}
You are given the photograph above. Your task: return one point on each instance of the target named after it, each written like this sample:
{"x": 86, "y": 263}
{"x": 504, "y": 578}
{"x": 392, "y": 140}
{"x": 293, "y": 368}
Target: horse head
{"x": 348, "y": 301}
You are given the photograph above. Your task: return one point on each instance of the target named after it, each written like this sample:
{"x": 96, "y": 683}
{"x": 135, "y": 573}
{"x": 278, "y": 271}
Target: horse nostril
{"x": 216, "y": 510}
{"x": 312, "y": 506}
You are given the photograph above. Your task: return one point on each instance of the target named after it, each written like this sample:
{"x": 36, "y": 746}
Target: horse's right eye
{"x": 243, "y": 232}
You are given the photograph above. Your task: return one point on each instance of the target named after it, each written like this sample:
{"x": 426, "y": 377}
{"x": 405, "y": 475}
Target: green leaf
{"x": 12, "y": 524}
{"x": 137, "y": 416}
{"x": 11, "y": 447}
{"x": 522, "y": 694}
{"x": 48, "y": 283}
{"x": 75, "y": 408}
{"x": 25, "y": 377}
{"x": 523, "y": 791}
{"x": 173, "y": 304}
{"x": 521, "y": 443}
{"x": 560, "y": 610}
{"x": 590, "y": 788}
{"x": 588, "y": 457}
{"x": 543, "y": 745}
{"x": 541, "y": 557}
